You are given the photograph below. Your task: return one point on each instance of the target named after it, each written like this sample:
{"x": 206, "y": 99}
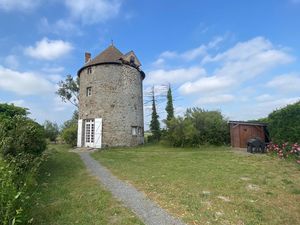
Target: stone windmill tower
{"x": 111, "y": 100}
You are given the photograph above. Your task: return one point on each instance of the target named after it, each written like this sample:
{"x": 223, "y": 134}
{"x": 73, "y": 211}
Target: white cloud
{"x": 175, "y": 76}
{"x": 188, "y": 55}
{"x": 263, "y": 98}
{"x": 216, "y": 99}
{"x": 11, "y": 61}
{"x": 17, "y": 5}
{"x": 62, "y": 27}
{"x": 239, "y": 64}
{"x": 24, "y": 83}
{"x": 201, "y": 50}
{"x": 93, "y": 11}
{"x": 53, "y": 69}
{"x": 159, "y": 90}
{"x": 49, "y": 49}
{"x": 206, "y": 85}
{"x": 19, "y": 102}
{"x": 286, "y": 83}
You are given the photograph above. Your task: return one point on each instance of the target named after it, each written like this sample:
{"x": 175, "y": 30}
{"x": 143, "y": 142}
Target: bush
{"x": 198, "y": 127}
{"x": 22, "y": 142}
{"x": 69, "y": 135}
{"x": 21, "y": 135}
{"x": 285, "y": 150}
{"x": 284, "y": 124}
{"x": 17, "y": 186}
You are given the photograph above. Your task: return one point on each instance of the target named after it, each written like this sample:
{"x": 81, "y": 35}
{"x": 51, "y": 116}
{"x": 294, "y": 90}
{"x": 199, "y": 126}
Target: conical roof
{"x": 109, "y": 55}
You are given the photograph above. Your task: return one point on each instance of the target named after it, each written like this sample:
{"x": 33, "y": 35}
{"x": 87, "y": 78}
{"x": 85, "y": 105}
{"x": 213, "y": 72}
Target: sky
{"x": 239, "y": 57}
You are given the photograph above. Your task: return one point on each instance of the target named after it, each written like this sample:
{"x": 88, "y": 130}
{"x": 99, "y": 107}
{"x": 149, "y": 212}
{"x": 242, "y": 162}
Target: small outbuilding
{"x": 241, "y": 132}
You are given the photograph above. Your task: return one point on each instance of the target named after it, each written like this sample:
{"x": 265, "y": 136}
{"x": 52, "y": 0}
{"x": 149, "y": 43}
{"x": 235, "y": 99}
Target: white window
{"x": 134, "y": 131}
{"x": 88, "y": 91}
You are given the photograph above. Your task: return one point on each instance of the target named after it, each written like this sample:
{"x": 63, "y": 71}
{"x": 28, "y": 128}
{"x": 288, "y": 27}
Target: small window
{"x": 134, "y": 131}
{"x": 88, "y": 91}
{"x": 131, "y": 59}
{"x": 89, "y": 70}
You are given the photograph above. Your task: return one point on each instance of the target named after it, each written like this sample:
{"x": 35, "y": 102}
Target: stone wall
{"x": 117, "y": 98}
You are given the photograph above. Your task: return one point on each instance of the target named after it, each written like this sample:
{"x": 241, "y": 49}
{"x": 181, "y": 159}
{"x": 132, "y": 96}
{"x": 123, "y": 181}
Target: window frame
{"x": 88, "y": 91}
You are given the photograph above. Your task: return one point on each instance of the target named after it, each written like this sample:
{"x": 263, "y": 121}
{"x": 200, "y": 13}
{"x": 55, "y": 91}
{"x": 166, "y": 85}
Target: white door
{"x": 89, "y": 133}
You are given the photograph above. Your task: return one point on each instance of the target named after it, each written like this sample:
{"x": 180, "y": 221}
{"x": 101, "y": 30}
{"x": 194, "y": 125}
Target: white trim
{"x": 79, "y": 134}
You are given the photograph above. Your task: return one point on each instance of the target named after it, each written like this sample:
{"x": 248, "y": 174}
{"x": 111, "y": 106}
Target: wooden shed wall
{"x": 241, "y": 133}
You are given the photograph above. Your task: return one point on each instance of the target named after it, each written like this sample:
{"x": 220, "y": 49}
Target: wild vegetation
{"x": 69, "y": 130}
{"x": 211, "y": 185}
{"x": 22, "y": 142}
{"x": 51, "y": 130}
{"x": 198, "y": 127}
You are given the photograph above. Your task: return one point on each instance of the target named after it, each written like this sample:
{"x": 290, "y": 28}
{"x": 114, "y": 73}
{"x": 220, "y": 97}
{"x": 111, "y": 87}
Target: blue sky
{"x": 240, "y": 57}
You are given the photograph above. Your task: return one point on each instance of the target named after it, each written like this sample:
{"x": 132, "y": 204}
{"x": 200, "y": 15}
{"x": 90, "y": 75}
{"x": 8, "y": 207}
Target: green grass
{"x": 67, "y": 194}
{"x": 211, "y": 185}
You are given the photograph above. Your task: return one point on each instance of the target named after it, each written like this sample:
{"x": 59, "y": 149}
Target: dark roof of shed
{"x": 249, "y": 123}
{"x": 109, "y": 55}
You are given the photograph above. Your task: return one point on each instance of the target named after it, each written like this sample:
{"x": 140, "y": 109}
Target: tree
{"x": 51, "y": 130}
{"x": 69, "y": 90}
{"x": 169, "y": 107}
{"x": 154, "y": 124}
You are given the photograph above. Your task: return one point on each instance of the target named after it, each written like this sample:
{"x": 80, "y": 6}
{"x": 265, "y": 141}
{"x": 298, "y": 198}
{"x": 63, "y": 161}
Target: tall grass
{"x": 17, "y": 184}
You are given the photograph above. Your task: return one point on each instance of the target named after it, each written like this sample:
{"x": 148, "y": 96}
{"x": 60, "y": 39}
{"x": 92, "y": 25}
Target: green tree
{"x": 154, "y": 124}
{"x": 51, "y": 130}
{"x": 69, "y": 90}
{"x": 169, "y": 107}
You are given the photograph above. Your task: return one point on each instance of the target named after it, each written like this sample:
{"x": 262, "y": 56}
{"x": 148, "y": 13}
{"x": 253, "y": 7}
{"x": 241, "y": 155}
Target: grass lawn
{"x": 67, "y": 194}
{"x": 211, "y": 185}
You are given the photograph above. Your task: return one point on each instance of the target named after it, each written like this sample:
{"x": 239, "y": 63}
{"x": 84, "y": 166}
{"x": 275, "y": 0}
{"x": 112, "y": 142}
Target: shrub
{"x": 9, "y": 197}
{"x": 21, "y": 135}
{"x": 198, "y": 127}
{"x": 22, "y": 142}
{"x": 17, "y": 186}
{"x": 285, "y": 150}
{"x": 284, "y": 124}
{"x": 69, "y": 135}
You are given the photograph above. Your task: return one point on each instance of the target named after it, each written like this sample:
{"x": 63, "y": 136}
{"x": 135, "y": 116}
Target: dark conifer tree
{"x": 154, "y": 124}
{"x": 170, "y": 107}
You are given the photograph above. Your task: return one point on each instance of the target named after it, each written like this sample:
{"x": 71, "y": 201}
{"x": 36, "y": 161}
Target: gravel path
{"x": 149, "y": 212}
